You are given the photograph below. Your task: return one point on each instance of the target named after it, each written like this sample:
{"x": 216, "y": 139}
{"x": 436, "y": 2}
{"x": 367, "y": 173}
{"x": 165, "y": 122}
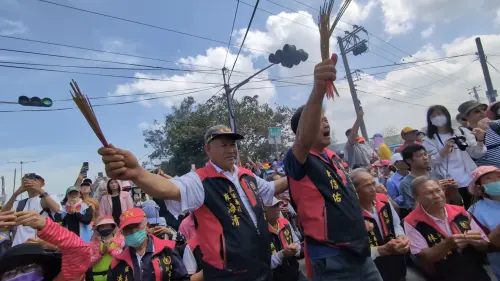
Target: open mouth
{"x": 326, "y": 134}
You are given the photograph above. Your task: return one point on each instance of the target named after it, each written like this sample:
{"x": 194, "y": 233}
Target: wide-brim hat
{"x": 26, "y": 254}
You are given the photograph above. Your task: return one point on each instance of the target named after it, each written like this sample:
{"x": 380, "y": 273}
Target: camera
{"x": 460, "y": 142}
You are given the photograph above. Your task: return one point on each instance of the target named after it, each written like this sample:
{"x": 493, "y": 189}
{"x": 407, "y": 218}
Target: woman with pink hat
{"x": 107, "y": 242}
{"x": 486, "y": 183}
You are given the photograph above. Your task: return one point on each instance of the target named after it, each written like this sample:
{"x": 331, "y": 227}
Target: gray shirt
{"x": 358, "y": 153}
{"x": 405, "y": 187}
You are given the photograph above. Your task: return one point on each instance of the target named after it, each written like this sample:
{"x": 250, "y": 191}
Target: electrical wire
{"x": 469, "y": 64}
{"x": 143, "y": 24}
{"x": 244, "y": 37}
{"x": 103, "y": 75}
{"x": 110, "y": 104}
{"x": 232, "y": 29}
{"x": 493, "y": 66}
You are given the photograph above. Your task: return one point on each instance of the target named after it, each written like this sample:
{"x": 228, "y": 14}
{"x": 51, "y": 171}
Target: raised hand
{"x": 324, "y": 71}
{"x": 120, "y": 164}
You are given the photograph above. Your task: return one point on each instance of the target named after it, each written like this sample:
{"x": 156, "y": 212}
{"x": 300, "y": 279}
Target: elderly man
{"x": 227, "y": 202}
{"x": 448, "y": 244}
{"x": 387, "y": 238}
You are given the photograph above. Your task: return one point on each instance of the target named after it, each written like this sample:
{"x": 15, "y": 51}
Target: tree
{"x": 390, "y": 132}
{"x": 180, "y": 141}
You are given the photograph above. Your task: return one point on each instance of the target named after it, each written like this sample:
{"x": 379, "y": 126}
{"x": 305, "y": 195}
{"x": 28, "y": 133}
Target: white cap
{"x": 275, "y": 202}
{"x": 396, "y": 157}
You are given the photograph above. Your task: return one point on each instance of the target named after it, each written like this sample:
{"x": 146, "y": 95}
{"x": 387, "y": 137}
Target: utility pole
{"x": 357, "y": 46}
{"x": 21, "y": 163}
{"x": 474, "y": 90}
{"x": 490, "y": 92}
{"x": 3, "y": 197}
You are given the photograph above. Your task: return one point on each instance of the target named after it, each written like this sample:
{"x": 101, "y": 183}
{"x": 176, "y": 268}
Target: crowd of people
{"x": 433, "y": 204}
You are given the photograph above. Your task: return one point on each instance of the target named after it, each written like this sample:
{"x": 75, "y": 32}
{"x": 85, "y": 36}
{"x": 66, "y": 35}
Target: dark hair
{"x": 433, "y": 130}
{"x": 347, "y": 132}
{"x": 409, "y": 150}
{"x": 109, "y": 188}
{"x": 294, "y": 123}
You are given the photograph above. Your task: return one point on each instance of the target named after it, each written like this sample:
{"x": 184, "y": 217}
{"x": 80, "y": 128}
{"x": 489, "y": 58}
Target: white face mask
{"x": 439, "y": 120}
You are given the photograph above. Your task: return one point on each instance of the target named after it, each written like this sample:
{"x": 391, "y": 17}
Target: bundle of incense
{"x": 85, "y": 107}
{"x": 325, "y": 32}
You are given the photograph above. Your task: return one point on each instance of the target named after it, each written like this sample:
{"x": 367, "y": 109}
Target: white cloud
{"x": 444, "y": 82}
{"x": 400, "y": 16}
{"x": 206, "y": 84}
{"x": 10, "y": 27}
{"x": 426, "y": 33}
{"x": 149, "y": 126}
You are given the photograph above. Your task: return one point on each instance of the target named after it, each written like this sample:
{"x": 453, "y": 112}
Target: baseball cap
{"x": 407, "y": 130}
{"x": 151, "y": 210}
{"x": 275, "y": 202}
{"x": 468, "y": 106}
{"x": 396, "y": 157}
{"x": 72, "y": 188}
{"x": 26, "y": 254}
{"x": 378, "y": 135}
{"x": 131, "y": 216}
{"x": 481, "y": 171}
{"x": 220, "y": 130}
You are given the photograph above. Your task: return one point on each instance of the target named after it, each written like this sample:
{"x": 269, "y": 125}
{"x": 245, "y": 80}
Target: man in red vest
{"x": 328, "y": 207}
{"x": 388, "y": 241}
{"x": 448, "y": 244}
{"x": 227, "y": 202}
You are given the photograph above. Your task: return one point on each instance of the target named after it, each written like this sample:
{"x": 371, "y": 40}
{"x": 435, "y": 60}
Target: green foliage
{"x": 179, "y": 141}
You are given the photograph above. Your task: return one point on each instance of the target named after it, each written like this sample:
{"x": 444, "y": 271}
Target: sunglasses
{"x": 479, "y": 110}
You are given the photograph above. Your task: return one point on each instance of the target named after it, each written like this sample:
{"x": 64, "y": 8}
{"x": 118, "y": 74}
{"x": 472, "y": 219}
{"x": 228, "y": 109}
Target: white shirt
{"x": 455, "y": 165}
{"x": 23, "y": 233}
{"x": 189, "y": 261}
{"x": 193, "y": 194}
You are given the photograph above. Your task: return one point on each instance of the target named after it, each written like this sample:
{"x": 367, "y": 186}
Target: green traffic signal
{"x": 34, "y": 101}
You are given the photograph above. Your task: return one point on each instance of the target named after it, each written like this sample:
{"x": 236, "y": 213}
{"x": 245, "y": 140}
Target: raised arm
{"x": 122, "y": 164}
{"x": 310, "y": 119}
{"x": 351, "y": 138}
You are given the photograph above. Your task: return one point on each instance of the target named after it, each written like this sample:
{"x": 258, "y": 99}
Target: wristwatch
{"x": 44, "y": 194}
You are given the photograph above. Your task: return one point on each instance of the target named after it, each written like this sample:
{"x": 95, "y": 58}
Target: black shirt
{"x": 117, "y": 208}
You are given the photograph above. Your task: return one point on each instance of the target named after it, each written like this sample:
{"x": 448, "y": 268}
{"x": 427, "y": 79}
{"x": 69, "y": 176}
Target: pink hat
{"x": 481, "y": 171}
{"x": 385, "y": 163}
{"x": 105, "y": 220}
{"x": 490, "y": 113}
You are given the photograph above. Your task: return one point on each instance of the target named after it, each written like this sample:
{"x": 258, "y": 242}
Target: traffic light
{"x": 34, "y": 101}
{"x": 289, "y": 56}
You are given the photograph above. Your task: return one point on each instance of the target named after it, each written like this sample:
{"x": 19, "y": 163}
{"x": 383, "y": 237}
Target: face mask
{"x": 105, "y": 232}
{"x": 439, "y": 120}
{"x": 135, "y": 239}
{"x": 492, "y": 188}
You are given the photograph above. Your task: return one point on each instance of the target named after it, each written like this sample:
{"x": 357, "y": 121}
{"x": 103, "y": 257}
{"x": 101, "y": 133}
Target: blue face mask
{"x": 492, "y": 188}
{"x": 136, "y": 239}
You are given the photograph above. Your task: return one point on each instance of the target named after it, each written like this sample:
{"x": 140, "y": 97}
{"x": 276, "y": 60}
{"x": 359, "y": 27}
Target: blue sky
{"x": 61, "y": 140}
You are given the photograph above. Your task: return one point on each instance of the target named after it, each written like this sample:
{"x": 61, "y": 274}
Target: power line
{"x": 244, "y": 37}
{"x": 232, "y": 29}
{"x": 469, "y": 64}
{"x": 104, "y": 75}
{"x": 395, "y": 100}
{"x": 110, "y": 104}
{"x": 143, "y": 24}
{"x": 493, "y": 66}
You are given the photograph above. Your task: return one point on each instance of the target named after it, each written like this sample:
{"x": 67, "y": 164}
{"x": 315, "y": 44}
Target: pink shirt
{"x": 187, "y": 227}
{"x": 417, "y": 241}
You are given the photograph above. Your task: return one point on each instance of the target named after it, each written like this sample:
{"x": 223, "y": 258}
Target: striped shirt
{"x": 492, "y": 156}
{"x": 75, "y": 253}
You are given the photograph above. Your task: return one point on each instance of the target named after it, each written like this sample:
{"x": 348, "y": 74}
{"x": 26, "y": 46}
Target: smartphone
{"x": 84, "y": 169}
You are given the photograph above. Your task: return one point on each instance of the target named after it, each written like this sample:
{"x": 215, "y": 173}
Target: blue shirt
{"x": 296, "y": 170}
{"x": 393, "y": 190}
{"x": 486, "y": 213}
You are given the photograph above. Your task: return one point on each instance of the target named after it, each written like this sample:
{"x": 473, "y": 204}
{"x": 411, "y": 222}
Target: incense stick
{"x": 85, "y": 107}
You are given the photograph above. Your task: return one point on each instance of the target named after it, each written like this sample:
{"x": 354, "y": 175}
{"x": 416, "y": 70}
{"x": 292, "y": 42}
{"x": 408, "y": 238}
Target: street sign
{"x": 275, "y": 132}
{"x": 274, "y": 140}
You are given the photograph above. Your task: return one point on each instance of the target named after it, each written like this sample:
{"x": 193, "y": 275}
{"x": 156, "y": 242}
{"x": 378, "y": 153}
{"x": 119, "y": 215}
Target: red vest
{"x": 456, "y": 266}
{"x": 233, "y": 248}
{"x": 289, "y": 268}
{"x": 392, "y": 267}
{"x": 328, "y": 205}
